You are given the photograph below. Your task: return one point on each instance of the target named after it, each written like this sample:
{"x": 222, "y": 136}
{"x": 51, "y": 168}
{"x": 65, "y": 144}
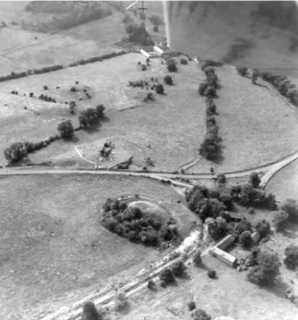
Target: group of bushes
{"x": 91, "y": 116}
{"x": 211, "y": 145}
{"x": 46, "y": 98}
{"x": 135, "y": 225}
{"x": 23, "y": 74}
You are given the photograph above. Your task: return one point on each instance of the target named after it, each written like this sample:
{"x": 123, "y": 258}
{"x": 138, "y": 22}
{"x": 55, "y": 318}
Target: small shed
{"x": 224, "y": 256}
{"x": 157, "y": 50}
{"x": 145, "y": 53}
{"x": 225, "y": 242}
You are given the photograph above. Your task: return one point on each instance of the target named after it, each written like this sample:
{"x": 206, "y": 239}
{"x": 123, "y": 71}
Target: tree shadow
{"x": 74, "y": 139}
{"x": 278, "y": 288}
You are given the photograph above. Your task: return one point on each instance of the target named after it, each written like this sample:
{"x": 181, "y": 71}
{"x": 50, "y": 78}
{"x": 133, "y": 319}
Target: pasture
{"x": 53, "y": 245}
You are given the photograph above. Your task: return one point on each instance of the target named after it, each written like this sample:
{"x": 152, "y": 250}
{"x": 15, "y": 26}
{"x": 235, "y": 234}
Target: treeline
{"x": 211, "y": 145}
{"x": 284, "y": 86}
{"x": 135, "y": 225}
{"x": 23, "y": 74}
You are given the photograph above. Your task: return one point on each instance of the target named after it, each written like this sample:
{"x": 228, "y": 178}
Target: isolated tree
{"x": 245, "y": 239}
{"x": 168, "y": 80}
{"x": 266, "y": 270}
{"x": 159, "y": 88}
{"x": 254, "y": 179}
{"x": 280, "y": 219}
{"x": 291, "y": 253}
{"x": 263, "y": 227}
{"x": 65, "y": 129}
{"x": 183, "y": 61}
{"x": 90, "y": 312}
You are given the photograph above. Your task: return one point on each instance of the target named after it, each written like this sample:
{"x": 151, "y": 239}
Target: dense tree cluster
{"x": 266, "y": 269}
{"x": 249, "y": 196}
{"x": 46, "y": 98}
{"x": 291, "y": 253}
{"x": 90, "y": 312}
{"x": 283, "y": 85}
{"x": 91, "y": 116}
{"x": 138, "y": 34}
{"x": 137, "y": 226}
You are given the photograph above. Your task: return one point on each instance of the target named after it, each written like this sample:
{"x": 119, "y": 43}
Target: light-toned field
{"x": 285, "y": 183}
{"x": 169, "y": 130}
{"x": 256, "y": 125}
{"x": 229, "y": 295}
{"x": 52, "y": 244}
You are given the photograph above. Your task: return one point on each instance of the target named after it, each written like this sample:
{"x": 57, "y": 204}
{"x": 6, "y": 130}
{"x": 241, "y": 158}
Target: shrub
{"x": 167, "y": 276}
{"x": 254, "y": 179}
{"x": 150, "y": 284}
{"x": 263, "y": 227}
{"x": 183, "y": 61}
{"x": 191, "y": 305}
{"x": 120, "y": 301}
{"x": 267, "y": 269}
{"x": 211, "y": 274}
{"x": 245, "y": 239}
{"x": 159, "y": 88}
{"x": 168, "y": 80}
{"x": 197, "y": 259}
{"x": 242, "y": 71}
{"x": 90, "y": 312}
{"x": 172, "y": 66}
{"x": 65, "y": 129}
{"x": 291, "y": 207}
{"x": 200, "y": 314}
{"x": 280, "y": 219}
{"x": 178, "y": 268}
{"x": 291, "y": 253}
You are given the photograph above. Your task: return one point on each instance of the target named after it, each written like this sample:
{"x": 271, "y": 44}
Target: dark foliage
{"x": 178, "y": 268}
{"x": 245, "y": 239}
{"x": 291, "y": 253}
{"x": 191, "y": 305}
{"x": 263, "y": 227}
{"x": 168, "y": 80}
{"x": 90, "y": 312}
{"x": 16, "y": 152}
{"x": 91, "y": 116}
{"x": 211, "y": 274}
{"x": 183, "y": 61}
{"x": 254, "y": 179}
{"x": 65, "y": 129}
{"x": 242, "y": 71}
{"x": 172, "y": 65}
{"x": 200, "y": 314}
{"x": 159, "y": 88}
{"x": 197, "y": 259}
{"x": 291, "y": 207}
{"x": 139, "y": 35}
{"x": 155, "y": 20}
{"x": 280, "y": 220}
{"x": 166, "y": 276}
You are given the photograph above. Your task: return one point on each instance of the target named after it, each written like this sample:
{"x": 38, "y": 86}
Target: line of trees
{"x": 27, "y": 73}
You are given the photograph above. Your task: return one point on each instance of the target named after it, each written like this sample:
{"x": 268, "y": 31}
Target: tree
{"x": 291, "y": 253}
{"x": 197, "y": 259}
{"x": 191, "y": 305}
{"x": 172, "y": 66}
{"x": 291, "y": 207}
{"x": 65, "y": 129}
{"x": 88, "y": 118}
{"x": 280, "y": 219}
{"x": 168, "y": 80}
{"x": 72, "y": 107}
{"x": 200, "y": 314}
{"x": 155, "y": 28}
{"x": 167, "y": 276}
{"x": 254, "y": 179}
{"x": 178, "y": 268}
{"x": 183, "y": 61}
{"x": 267, "y": 269}
{"x": 155, "y": 20}
{"x": 245, "y": 239}
{"x": 100, "y": 111}
{"x": 211, "y": 274}
{"x": 263, "y": 227}
{"x": 90, "y": 312}
{"x": 242, "y": 71}
{"x": 159, "y": 88}
{"x": 16, "y": 152}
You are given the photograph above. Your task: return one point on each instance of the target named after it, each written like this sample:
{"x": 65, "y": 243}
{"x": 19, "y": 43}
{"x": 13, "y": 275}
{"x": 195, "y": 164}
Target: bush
{"x": 191, "y": 305}
{"x": 254, "y": 179}
{"x": 197, "y": 259}
{"x": 267, "y": 269}
{"x": 172, "y": 66}
{"x": 159, "y": 88}
{"x": 168, "y": 80}
{"x": 263, "y": 227}
{"x": 65, "y": 129}
{"x": 291, "y": 253}
{"x": 211, "y": 274}
{"x": 242, "y": 71}
{"x": 245, "y": 239}
{"x": 200, "y": 314}
{"x": 166, "y": 276}
{"x": 155, "y": 28}
{"x": 90, "y": 312}
{"x": 178, "y": 268}
{"x": 280, "y": 219}
{"x": 291, "y": 207}
{"x": 150, "y": 284}
{"x": 120, "y": 301}
{"x": 183, "y": 61}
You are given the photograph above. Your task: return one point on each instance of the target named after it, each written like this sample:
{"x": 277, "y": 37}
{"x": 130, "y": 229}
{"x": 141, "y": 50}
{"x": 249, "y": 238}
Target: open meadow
{"x": 52, "y": 242}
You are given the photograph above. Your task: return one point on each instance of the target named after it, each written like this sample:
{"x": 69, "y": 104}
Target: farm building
{"x": 225, "y": 242}
{"x": 145, "y": 53}
{"x": 157, "y": 50}
{"x": 223, "y": 256}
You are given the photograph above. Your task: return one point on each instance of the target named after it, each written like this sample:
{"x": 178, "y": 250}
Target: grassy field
{"x": 256, "y": 125}
{"x": 52, "y": 242}
{"x": 284, "y": 184}
{"x": 229, "y": 295}
{"x": 156, "y": 129}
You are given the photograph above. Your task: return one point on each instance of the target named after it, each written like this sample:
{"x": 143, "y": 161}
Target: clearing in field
{"x": 53, "y": 245}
